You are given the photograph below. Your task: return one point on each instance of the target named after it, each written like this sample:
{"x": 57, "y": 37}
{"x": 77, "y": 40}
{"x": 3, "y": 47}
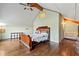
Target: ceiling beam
{"x": 36, "y": 5}
{"x": 71, "y": 20}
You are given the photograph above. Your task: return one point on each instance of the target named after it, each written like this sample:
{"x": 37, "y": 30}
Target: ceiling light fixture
{"x": 42, "y": 14}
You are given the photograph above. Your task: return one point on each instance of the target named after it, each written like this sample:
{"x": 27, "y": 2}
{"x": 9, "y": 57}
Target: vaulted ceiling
{"x": 70, "y": 10}
{"x": 14, "y": 14}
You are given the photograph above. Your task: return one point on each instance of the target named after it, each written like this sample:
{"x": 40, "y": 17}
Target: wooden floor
{"x": 14, "y": 48}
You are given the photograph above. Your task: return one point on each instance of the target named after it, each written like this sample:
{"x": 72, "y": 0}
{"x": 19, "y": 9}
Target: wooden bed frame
{"x": 26, "y": 39}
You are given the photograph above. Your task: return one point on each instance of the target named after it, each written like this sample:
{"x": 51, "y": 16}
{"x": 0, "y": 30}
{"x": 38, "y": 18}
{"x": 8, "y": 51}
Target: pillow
{"x": 36, "y": 32}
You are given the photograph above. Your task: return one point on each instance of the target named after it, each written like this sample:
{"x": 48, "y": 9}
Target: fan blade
{"x": 36, "y": 5}
{"x": 24, "y": 8}
{"x": 22, "y": 4}
{"x": 31, "y": 9}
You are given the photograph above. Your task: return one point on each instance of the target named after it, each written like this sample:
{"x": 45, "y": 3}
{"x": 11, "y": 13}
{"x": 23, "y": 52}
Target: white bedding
{"x": 39, "y": 36}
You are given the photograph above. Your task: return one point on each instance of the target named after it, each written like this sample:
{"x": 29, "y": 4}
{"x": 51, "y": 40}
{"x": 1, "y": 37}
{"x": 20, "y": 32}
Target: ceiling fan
{"x": 29, "y": 6}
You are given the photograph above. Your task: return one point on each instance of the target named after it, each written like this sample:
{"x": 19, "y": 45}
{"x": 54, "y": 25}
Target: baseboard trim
{"x": 71, "y": 39}
{"x": 3, "y": 39}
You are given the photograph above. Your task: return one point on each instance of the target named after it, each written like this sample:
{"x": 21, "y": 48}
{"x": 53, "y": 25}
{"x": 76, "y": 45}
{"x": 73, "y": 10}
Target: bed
{"x": 41, "y": 35}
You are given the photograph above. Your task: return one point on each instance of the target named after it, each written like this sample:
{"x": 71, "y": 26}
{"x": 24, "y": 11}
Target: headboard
{"x": 43, "y": 28}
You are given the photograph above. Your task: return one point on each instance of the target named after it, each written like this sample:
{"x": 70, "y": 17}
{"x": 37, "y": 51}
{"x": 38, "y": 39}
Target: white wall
{"x": 61, "y": 29}
{"x": 9, "y": 30}
{"x": 16, "y": 18}
{"x": 70, "y": 30}
{"x": 13, "y": 14}
{"x": 51, "y": 20}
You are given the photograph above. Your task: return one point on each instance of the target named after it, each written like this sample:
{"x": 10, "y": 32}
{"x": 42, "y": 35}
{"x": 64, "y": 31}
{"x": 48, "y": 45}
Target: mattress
{"x": 39, "y": 37}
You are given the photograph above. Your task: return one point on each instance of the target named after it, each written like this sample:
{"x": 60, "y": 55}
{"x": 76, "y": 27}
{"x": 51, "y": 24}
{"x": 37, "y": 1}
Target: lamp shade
{"x": 2, "y": 29}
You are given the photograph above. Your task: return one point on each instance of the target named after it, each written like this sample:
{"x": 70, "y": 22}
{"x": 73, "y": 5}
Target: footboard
{"x": 26, "y": 40}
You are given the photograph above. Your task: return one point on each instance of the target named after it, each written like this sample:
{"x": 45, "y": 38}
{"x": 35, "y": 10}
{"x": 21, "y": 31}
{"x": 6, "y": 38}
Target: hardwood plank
{"x": 64, "y": 48}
